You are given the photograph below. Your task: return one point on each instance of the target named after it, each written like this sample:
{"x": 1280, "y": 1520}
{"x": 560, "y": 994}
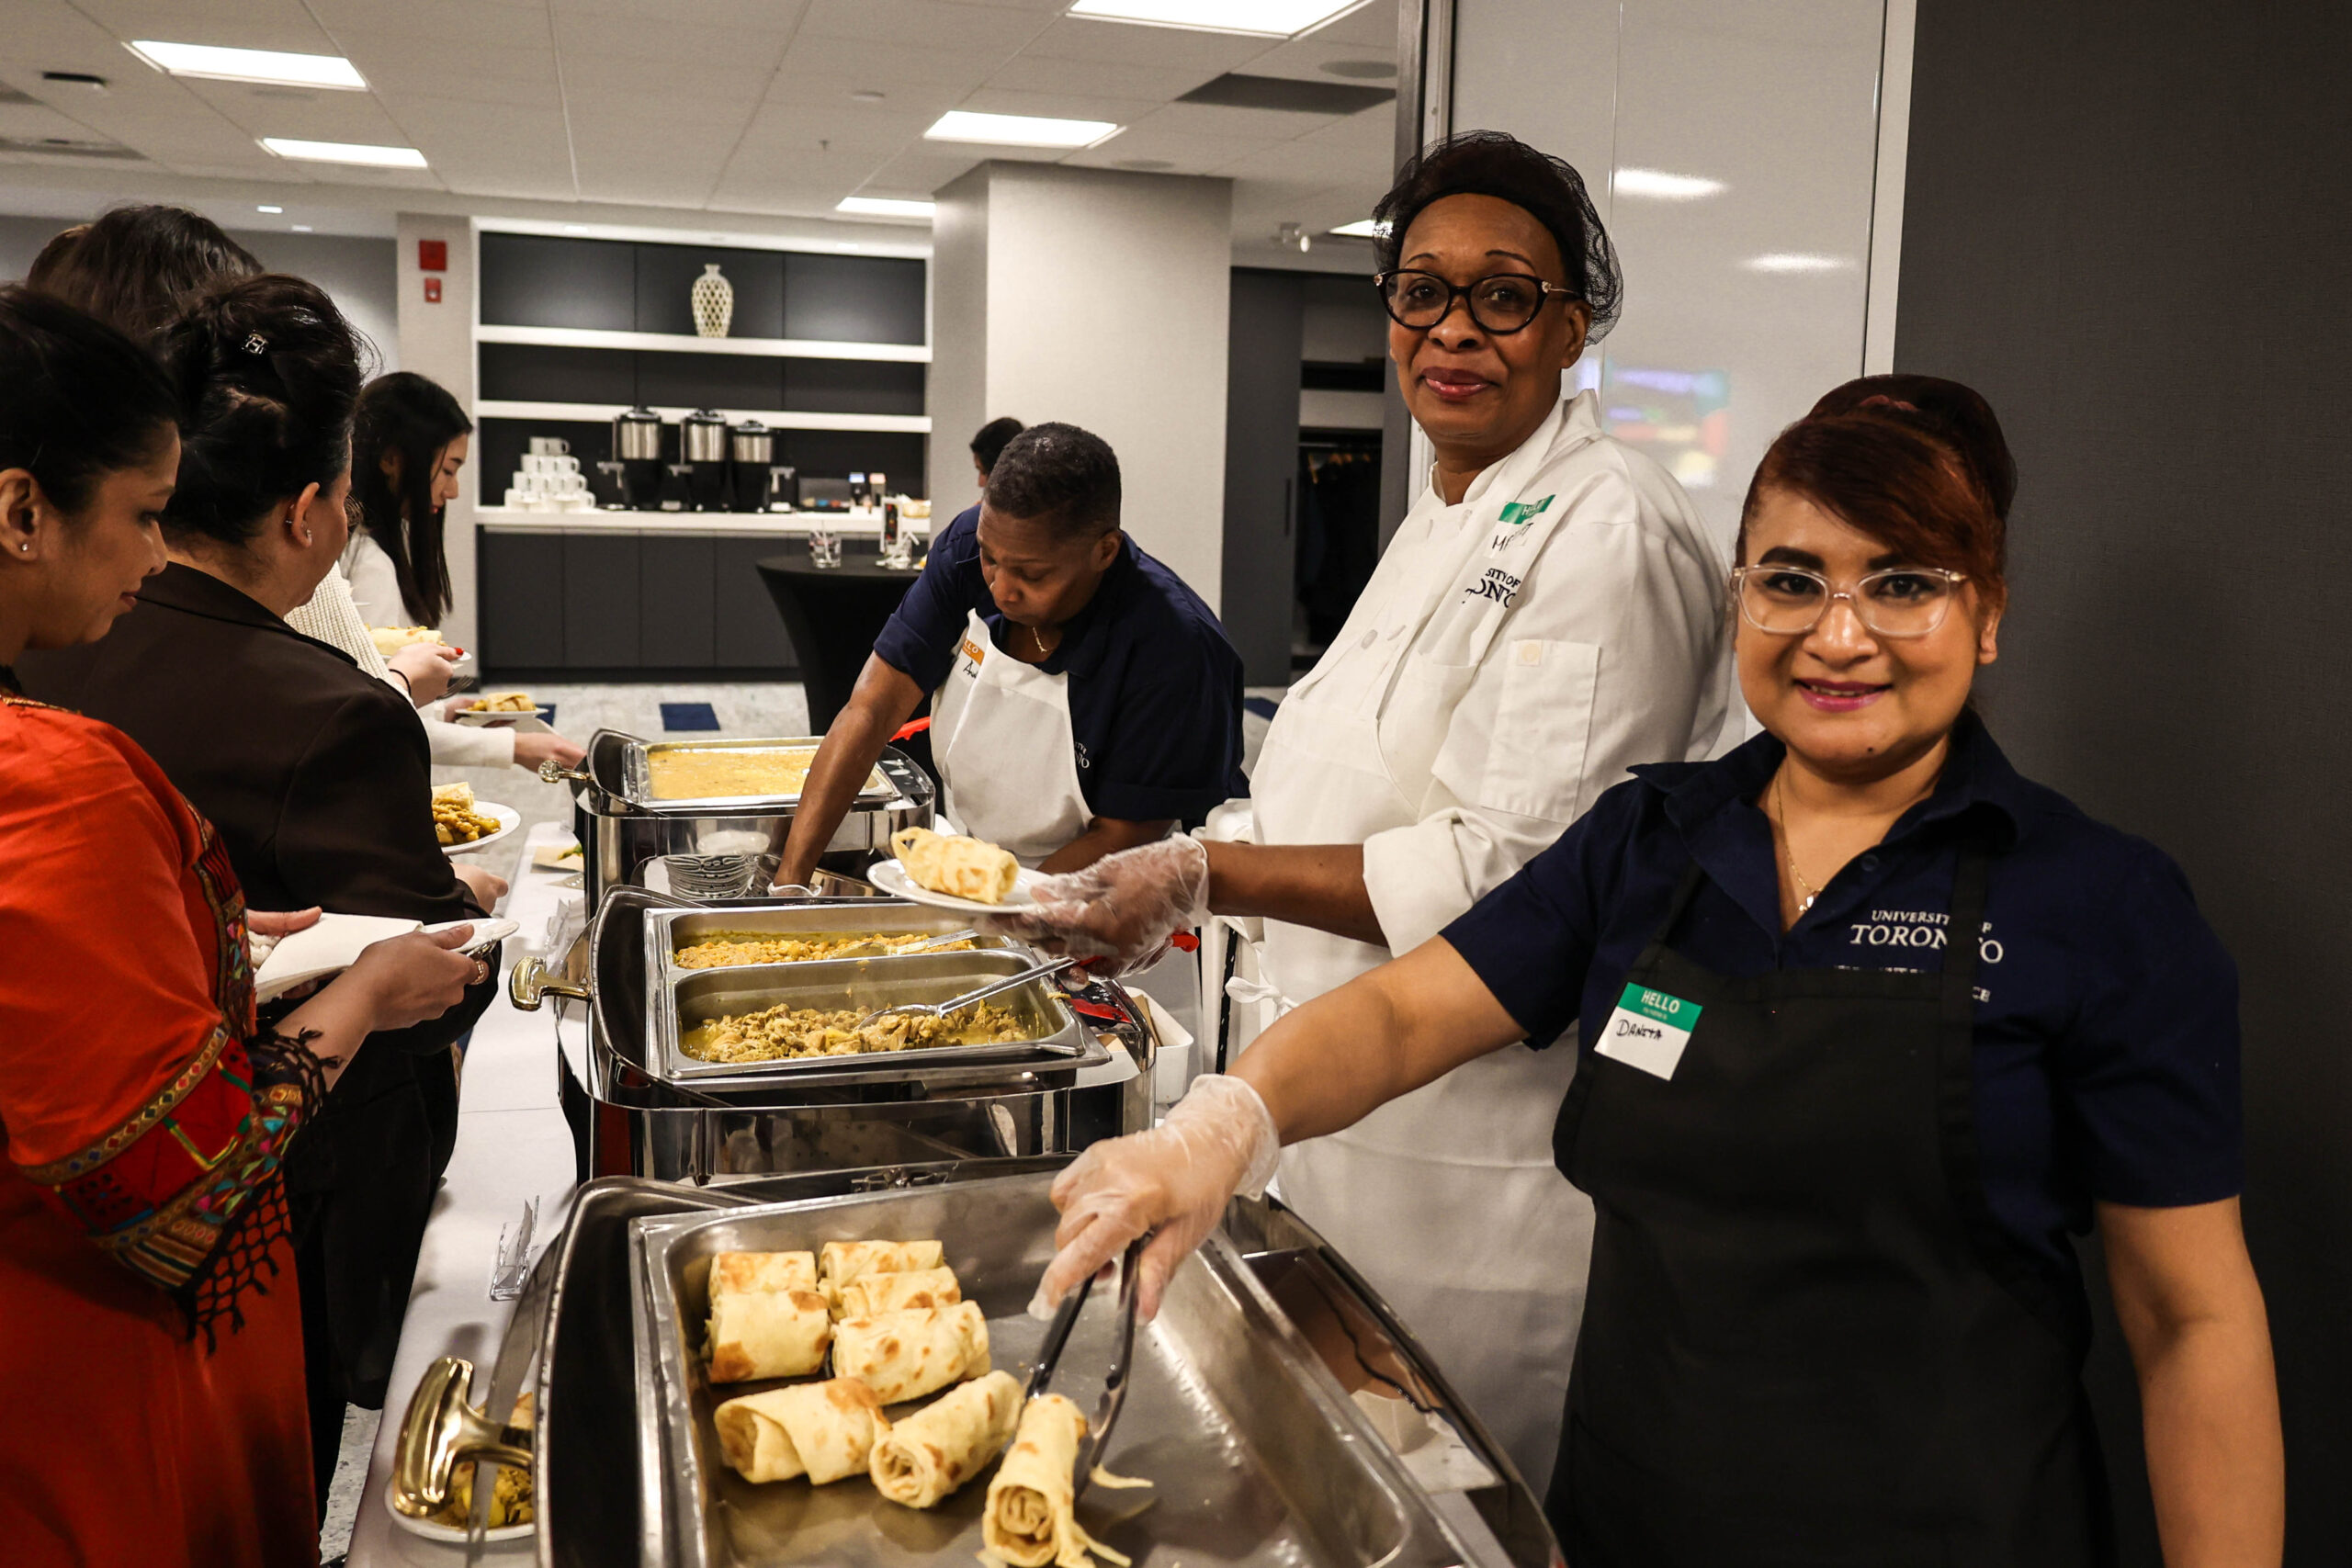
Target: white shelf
{"x": 781, "y": 525}
{"x": 602, "y": 414}
{"x": 681, "y": 342}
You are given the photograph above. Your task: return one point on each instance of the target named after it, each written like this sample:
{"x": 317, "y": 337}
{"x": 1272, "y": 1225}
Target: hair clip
{"x": 256, "y": 344}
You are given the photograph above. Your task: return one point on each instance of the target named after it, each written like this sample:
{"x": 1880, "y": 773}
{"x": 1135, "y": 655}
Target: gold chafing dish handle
{"x": 440, "y": 1432}
{"x": 530, "y": 984}
{"x": 556, "y": 772}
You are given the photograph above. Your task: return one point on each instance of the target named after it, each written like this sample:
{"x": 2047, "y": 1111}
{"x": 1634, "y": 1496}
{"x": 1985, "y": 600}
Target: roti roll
{"x": 922, "y": 1459}
{"x": 1031, "y": 1519}
{"x": 908, "y": 1291}
{"x": 841, "y": 1261}
{"x": 767, "y": 1334}
{"x": 905, "y": 1355}
{"x": 763, "y": 1271}
{"x": 951, "y": 863}
{"x": 821, "y": 1430}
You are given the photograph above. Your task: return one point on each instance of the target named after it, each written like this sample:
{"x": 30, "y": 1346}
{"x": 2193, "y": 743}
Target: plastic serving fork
{"x": 958, "y": 1004}
{"x": 1114, "y": 1386}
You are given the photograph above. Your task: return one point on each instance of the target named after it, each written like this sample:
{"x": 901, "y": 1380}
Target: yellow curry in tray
{"x": 726, "y": 950}
{"x": 784, "y": 1034}
{"x": 717, "y": 773}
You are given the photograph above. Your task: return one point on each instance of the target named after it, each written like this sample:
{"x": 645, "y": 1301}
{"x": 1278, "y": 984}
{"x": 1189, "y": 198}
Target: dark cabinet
{"x": 750, "y": 635}
{"x": 676, "y": 603}
{"x": 521, "y": 601}
{"x": 602, "y": 601}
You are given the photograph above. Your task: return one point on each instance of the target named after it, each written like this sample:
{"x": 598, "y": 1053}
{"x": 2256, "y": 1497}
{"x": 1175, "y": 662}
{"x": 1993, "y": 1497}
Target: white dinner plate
{"x": 430, "y": 1531}
{"x": 532, "y": 723}
{"x": 508, "y": 820}
{"x": 892, "y": 879}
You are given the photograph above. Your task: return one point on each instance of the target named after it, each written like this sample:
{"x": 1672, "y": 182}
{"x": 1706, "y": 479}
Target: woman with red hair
{"x": 1869, "y": 1026}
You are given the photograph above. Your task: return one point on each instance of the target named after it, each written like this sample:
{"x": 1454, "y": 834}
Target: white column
{"x": 438, "y": 341}
{"x": 1100, "y": 299}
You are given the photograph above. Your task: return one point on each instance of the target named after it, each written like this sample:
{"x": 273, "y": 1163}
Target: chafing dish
{"x": 633, "y": 1114}
{"x": 1241, "y": 1411}
{"x": 626, "y": 834}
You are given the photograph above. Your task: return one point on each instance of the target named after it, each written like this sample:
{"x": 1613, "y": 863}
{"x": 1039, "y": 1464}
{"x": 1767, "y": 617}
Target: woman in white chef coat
{"x": 1086, "y": 699}
{"x": 1549, "y": 614}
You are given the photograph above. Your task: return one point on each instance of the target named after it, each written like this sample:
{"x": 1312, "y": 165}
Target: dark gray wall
{"x": 1262, "y": 469}
{"x": 2128, "y": 225}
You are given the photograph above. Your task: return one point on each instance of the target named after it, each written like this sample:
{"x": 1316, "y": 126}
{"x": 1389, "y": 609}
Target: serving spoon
{"x": 958, "y": 1004}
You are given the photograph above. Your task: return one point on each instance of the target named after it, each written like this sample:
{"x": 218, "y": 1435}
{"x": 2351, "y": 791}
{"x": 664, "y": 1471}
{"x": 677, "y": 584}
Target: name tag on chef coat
{"x": 1648, "y": 1030}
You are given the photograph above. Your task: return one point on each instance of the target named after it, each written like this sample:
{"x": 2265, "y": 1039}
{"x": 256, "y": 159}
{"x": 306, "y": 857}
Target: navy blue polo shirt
{"x": 2107, "y": 1011}
{"x": 1155, "y": 689}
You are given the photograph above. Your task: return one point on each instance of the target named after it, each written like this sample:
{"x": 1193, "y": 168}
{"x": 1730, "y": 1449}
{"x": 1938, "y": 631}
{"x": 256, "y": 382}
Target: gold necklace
{"x": 1039, "y": 638}
{"x": 1806, "y": 890}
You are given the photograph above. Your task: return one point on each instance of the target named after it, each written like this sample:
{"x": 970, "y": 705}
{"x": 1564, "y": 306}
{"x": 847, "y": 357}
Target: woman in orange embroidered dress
{"x": 150, "y": 1351}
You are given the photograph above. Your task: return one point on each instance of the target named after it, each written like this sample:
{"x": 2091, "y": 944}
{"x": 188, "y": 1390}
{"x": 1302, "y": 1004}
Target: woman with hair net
{"x": 1549, "y": 614}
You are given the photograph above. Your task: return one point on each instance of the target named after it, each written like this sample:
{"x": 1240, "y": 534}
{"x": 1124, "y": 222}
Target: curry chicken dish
{"x": 725, "y": 951}
{"x": 784, "y": 1034}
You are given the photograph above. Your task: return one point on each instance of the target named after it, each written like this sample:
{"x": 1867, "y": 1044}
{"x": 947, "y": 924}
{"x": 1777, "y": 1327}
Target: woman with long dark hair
{"x": 315, "y": 774}
{"x": 408, "y": 444}
{"x": 147, "y": 1298}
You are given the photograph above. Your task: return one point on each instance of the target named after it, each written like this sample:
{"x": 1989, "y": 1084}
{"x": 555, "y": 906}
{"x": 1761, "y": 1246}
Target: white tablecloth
{"x": 512, "y": 1143}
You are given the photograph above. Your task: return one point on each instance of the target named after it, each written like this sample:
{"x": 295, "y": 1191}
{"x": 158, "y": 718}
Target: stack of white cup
{"x": 549, "y": 479}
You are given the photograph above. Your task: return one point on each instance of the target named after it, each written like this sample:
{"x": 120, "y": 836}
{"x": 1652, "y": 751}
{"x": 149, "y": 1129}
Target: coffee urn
{"x": 750, "y": 473}
{"x": 636, "y": 447}
{"x": 702, "y": 451}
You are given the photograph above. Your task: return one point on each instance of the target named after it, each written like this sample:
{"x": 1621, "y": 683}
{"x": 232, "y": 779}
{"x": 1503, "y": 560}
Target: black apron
{"x": 1807, "y": 1339}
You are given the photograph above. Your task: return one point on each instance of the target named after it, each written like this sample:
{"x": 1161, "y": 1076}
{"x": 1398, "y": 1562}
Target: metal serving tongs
{"x": 1114, "y": 1386}
{"x": 980, "y": 994}
{"x": 876, "y": 946}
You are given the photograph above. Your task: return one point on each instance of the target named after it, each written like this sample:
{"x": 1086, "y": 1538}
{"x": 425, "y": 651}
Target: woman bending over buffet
{"x": 1868, "y": 1025}
{"x": 150, "y": 1350}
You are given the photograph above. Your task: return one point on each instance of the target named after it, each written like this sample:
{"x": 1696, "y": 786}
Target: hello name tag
{"x": 1648, "y": 1030}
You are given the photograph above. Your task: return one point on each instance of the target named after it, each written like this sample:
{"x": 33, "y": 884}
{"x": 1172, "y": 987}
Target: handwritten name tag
{"x": 1648, "y": 1030}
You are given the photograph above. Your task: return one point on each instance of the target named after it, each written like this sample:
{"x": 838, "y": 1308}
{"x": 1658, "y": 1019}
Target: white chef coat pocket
{"x": 1535, "y": 763}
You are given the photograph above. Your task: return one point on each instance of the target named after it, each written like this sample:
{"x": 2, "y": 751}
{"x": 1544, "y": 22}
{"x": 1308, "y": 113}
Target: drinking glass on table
{"x": 824, "y": 547}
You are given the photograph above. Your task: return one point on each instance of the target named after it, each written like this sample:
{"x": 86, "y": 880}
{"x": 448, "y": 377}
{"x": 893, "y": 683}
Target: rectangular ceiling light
{"x": 884, "y": 206}
{"x": 1664, "y": 186}
{"x": 269, "y": 66}
{"x": 1362, "y": 229}
{"x": 345, "y": 152}
{"x": 1018, "y": 129}
{"x": 1266, "y": 18}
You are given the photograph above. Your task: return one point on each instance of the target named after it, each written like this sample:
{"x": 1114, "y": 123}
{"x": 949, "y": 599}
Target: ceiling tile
{"x": 983, "y": 30}
{"x": 1157, "y": 83}
{"x": 238, "y": 24}
{"x": 651, "y": 91}
{"x": 820, "y": 65}
{"x": 1124, "y": 43}
{"x": 542, "y": 89}
{"x": 727, "y": 51}
{"x": 1260, "y": 126}
{"x": 1072, "y": 105}
{"x": 921, "y": 170}
{"x": 752, "y": 16}
{"x": 1304, "y": 58}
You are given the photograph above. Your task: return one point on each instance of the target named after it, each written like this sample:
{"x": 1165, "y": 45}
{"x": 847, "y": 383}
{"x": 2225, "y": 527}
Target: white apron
{"x": 1008, "y": 760}
{"x": 1446, "y": 1199}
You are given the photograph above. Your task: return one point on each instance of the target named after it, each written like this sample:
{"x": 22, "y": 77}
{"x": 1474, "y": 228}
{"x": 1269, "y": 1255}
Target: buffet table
{"x": 512, "y": 1145}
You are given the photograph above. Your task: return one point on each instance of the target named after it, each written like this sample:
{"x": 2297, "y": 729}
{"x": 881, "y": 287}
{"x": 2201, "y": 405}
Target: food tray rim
{"x": 637, "y": 777}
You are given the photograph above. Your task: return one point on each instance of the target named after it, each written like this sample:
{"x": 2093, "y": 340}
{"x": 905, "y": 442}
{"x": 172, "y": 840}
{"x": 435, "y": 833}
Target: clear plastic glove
{"x": 1124, "y": 907}
{"x": 1175, "y": 1179}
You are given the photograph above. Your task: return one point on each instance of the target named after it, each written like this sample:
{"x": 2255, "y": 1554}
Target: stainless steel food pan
{"x": 1254, "y": 1455}
{"x": 694, "y": 997}
{"x": 667, "y": 931}
{"x": 637, "y": 774}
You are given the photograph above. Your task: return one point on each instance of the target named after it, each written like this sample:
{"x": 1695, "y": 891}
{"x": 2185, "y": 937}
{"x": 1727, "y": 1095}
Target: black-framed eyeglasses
{"x": 1502, "y": 303}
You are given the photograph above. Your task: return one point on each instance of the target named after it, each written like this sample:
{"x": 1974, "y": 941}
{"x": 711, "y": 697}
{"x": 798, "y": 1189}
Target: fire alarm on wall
{"x": 433, "y": 255}
{"x": 433, "y": 291}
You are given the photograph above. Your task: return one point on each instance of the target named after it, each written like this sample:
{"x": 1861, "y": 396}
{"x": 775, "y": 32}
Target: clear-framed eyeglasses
{"x": 1900, "y": 602}
{"x": 1502, "y": 303}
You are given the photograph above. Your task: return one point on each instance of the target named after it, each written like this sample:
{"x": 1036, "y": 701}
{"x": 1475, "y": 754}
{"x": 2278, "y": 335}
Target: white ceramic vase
{"x": 714, "y": 302}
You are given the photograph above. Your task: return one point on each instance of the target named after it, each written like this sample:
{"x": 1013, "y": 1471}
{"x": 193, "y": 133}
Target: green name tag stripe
{"x": 1659, "y": 1008}
{"x": 1524, "y": 510}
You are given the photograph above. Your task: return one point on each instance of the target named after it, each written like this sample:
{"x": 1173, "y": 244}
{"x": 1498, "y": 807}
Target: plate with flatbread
{"x": 948, "y": 871}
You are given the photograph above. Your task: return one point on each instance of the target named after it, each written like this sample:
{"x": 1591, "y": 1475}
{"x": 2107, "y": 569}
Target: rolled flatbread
{"x": 905, "y": 1355}
{"x": 1031, "y": 1518}
{"x": 951, "y": 863}
{"x": 842, "y": 1261}
{"x": 766, "y": 1334}
{"x": 915, "y": 1289}
{"x": 821, "y": 1430}
{"x": 920, "y": 1460}
{"x": 764, "y": 1271}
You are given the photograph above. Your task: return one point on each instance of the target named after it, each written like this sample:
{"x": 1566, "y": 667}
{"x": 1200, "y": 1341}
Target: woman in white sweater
{"x": 407, "y": 446}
